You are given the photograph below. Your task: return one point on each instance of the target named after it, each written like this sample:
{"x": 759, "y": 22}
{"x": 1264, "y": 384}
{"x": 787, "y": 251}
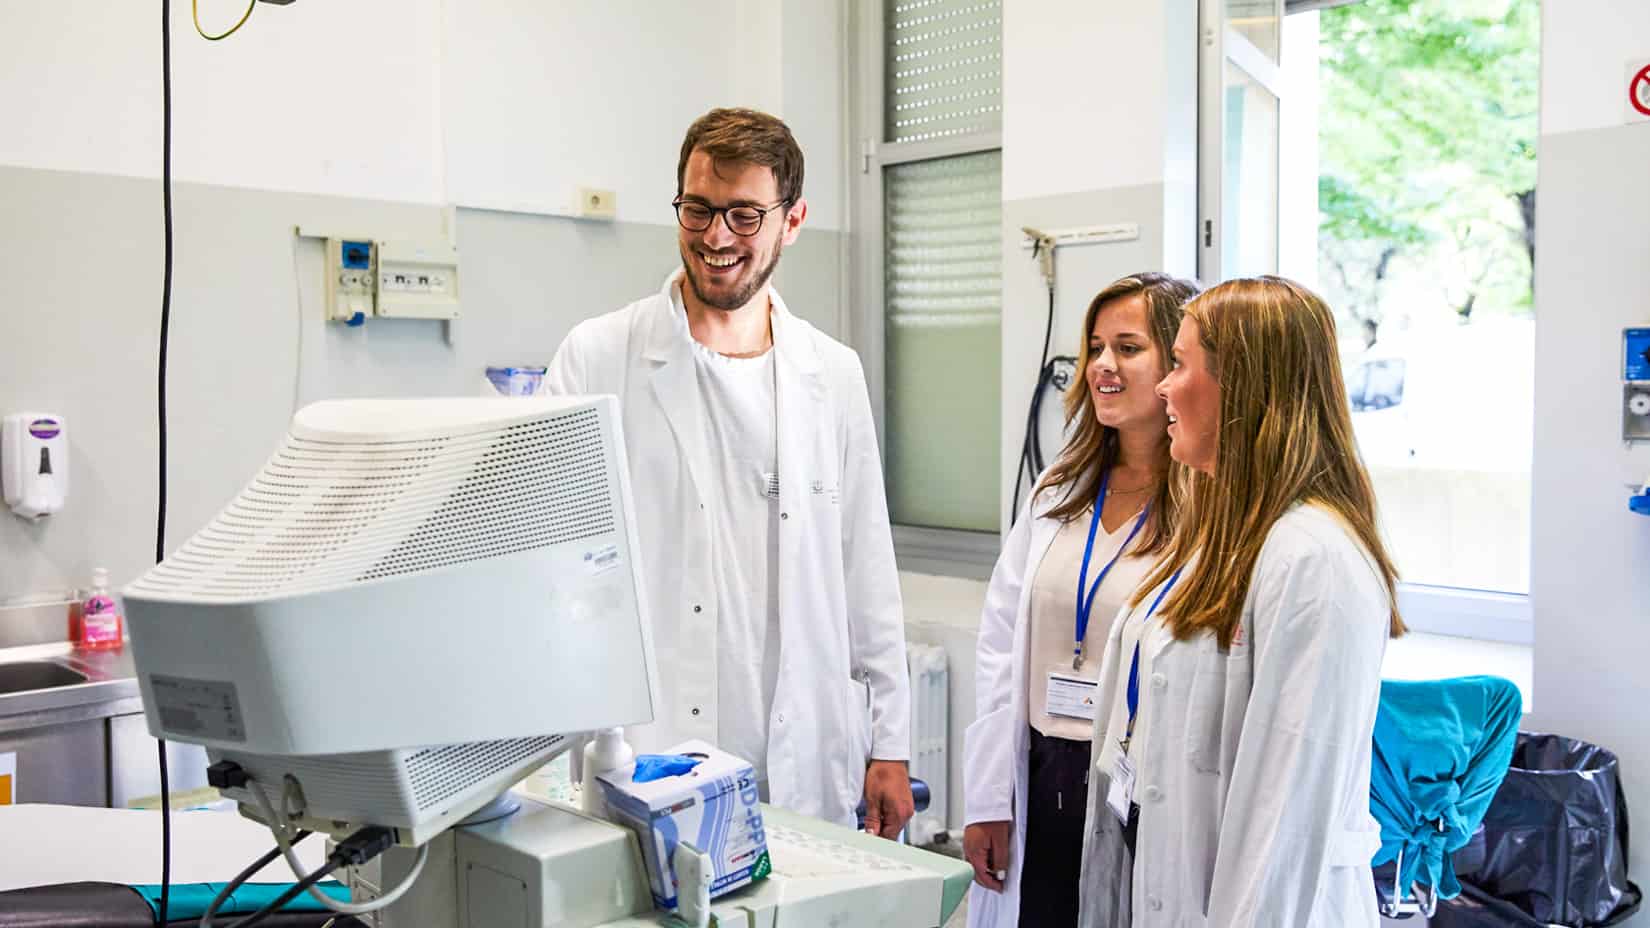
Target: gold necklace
{"x": 1112, "y": 492}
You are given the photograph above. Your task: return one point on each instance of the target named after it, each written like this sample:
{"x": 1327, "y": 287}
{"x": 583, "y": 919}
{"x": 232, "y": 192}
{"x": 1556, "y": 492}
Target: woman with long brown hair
{"x": 1238, "y": 693}
{"x": 1095, "y": 522}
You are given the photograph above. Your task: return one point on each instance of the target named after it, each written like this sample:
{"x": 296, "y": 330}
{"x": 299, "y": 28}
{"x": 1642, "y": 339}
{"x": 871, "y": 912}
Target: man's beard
{"x": 738, "y": 298}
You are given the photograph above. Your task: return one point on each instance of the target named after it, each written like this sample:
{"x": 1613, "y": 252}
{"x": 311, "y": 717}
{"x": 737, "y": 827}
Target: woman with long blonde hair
{"x": 1096, "y": 521}
{"x": 1238, "y": 693}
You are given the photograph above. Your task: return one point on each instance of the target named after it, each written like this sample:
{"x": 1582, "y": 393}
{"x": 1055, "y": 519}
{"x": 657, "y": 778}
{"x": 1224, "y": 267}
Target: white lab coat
{"x": 1254, "y": 785}
{"x": 844, "y": 693}
{"x": 997, "y": 746}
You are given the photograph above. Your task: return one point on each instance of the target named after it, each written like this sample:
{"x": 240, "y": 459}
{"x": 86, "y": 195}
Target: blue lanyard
{"x": 1085, "y": 604}
{"x": 1134, "y": 667}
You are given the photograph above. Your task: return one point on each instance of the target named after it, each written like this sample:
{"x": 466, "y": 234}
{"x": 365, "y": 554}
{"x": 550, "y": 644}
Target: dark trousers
{"x": 1055, "y": 803}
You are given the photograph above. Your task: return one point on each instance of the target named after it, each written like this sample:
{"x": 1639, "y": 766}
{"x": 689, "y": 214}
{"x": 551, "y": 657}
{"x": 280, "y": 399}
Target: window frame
{"x": 1482, "y": 615}
{"x": 1459, "y": 612}
{"x": 920, "y": 549}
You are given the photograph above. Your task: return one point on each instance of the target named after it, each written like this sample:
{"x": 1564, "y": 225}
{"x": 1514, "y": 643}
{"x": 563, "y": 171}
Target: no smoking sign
{"x": 1638, "y": 91}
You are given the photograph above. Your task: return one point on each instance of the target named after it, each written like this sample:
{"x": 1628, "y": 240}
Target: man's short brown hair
{"x": 746, "y": 135}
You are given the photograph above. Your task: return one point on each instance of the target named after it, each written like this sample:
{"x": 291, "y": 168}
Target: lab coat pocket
{"x": 857, "y": 713}
{"x": 1206, "y": 722}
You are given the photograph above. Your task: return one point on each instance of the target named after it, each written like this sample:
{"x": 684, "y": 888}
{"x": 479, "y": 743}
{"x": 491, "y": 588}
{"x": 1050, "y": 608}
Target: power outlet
{"x": 595, "y": 203}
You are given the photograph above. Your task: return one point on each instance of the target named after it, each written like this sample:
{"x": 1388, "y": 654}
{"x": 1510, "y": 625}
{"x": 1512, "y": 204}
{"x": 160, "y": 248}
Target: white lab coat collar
{"x": 799, "y": 384}
{"x": 789, "y": 342}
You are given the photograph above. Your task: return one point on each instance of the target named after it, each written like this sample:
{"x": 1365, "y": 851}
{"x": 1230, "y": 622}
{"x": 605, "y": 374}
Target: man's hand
{"x": 985, "y": 847}
{"x": 888, "y": 804}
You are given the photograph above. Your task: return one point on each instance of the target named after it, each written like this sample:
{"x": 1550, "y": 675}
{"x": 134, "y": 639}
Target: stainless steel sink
{"x": 55, "y": 683}
{"x": 24, "y": 676}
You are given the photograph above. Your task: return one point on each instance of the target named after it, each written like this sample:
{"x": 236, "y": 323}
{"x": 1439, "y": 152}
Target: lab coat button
{"x": 784, "y": 515}
{"x": 1153, "y": 794}
{"x": 1159, "y": 681}
{"x": 695, "y": 710}
{"x": 1154, "y": 903}
{"x": 697, "y": 608}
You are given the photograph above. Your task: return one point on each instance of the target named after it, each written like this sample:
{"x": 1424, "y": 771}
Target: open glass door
{"x": 1239, "y": 96}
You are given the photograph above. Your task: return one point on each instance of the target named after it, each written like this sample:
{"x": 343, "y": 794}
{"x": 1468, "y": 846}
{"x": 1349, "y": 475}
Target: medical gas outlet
{"x": 393, "y": 279}
{"x": 350, "y": 280}
{"x": 1635, "y": 385}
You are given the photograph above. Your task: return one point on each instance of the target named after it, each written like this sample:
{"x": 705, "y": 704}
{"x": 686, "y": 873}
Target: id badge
{"x": 1120, "y": 796}
{"x": 1071, "y": 697}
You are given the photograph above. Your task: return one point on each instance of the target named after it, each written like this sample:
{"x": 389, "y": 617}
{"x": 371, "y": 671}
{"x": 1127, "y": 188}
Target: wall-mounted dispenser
{"x": 34, "y": 463}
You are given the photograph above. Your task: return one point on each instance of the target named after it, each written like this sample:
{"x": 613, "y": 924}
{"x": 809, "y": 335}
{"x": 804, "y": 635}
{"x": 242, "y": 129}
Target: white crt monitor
{"x": 406, "y": 610}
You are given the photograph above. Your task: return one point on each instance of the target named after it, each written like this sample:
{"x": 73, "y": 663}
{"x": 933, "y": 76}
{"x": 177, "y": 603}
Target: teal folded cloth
{"x": 190, "y": 900}
{"x": 1441, "y": 749}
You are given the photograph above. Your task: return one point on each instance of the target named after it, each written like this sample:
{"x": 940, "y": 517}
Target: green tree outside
{"x": 1427, "y": 135}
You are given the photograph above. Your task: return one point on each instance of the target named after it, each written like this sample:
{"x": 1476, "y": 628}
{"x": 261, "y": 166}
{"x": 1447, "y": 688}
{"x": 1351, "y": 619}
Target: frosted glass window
{"x": 944, "y": 74}
{"x": 943, "y": 328}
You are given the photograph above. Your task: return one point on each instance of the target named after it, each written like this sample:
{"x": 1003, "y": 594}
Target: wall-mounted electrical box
{"x": 417, "y": 280}
{"x": 349, "y": 277}
{"x": 1635, "y": 384}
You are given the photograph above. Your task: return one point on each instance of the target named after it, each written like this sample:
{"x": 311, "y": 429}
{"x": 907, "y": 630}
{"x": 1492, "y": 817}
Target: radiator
{"x": 930, "y": 724}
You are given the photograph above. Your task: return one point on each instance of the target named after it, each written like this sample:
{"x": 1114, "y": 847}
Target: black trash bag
{"x": 1555, "y": 839}
{"x": 1475, "y": 908}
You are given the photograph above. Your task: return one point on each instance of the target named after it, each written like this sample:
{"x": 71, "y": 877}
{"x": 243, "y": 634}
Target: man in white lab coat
{"x": 758, "y": 492}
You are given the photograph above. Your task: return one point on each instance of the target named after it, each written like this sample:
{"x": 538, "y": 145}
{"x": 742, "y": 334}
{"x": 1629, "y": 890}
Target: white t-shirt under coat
{"x": 738, "y": 399}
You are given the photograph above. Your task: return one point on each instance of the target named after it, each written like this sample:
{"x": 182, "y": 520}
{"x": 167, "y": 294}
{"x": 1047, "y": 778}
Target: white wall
{"x": 813, "y": 99}
{"x": 1590, "y": 557}
{"x": 1083, "y": 91}
{"x": 495, "y": 103}
{"x": 336, "y": 98}
{"x": 1586, "y": 48}
{"x": 542, "y": 98}
{"x": 1099, "y": 127}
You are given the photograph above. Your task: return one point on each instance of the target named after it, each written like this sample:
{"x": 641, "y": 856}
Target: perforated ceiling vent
{"x": 323, "y": 514}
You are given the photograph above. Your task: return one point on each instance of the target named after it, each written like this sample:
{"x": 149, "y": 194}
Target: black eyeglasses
{"x": 746, "y": 221}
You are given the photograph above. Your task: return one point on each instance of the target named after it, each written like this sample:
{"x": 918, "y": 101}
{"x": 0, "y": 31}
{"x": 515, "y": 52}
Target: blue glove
{"x": 650, "y": 767}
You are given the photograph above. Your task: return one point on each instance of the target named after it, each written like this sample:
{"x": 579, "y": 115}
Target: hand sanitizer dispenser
{"x": 34, "y": 463}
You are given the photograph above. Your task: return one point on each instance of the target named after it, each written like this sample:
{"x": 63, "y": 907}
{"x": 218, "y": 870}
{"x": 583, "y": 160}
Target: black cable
{"x": 1026, "y": 462}
{"x": 353, "y": 851}
{"x": 291, "y": 893}
{"x": 166, "y": 279}
{"x": 1033, "y": 433}
{"x": 1047, "y": 380}
{"x": 165, "y": 328}
{"x": 254, "y": 867}
{"x": 1048, "y": 329}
